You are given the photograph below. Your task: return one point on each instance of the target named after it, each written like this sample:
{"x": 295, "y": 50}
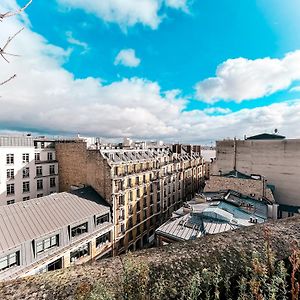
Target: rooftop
{"x": 225, "y": 212}
{"x": 34, "y": 218}
{"x": 266, "y": 136}
{"x": 242, "y": 183}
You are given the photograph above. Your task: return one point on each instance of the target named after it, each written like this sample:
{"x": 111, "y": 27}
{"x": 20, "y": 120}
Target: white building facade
{"x": 28, "y": 168}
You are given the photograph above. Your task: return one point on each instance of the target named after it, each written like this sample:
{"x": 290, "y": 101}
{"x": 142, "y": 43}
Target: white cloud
{"x": 47, "y": 98}
{"x": 127, "y": 58}
{"x": 243, "y": 79}
{"x": 126, "y": 13}
{"x": 217, "y": 110}
{"x": 177, "y": 4}
{"x": 76, "y": 42}
{"x": 295, "y": 89}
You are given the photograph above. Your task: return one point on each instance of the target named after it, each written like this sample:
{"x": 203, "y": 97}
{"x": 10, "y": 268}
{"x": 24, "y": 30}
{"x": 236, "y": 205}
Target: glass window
{"x": 80, "y": 252}
{"x": 37, "y": 157}
{"x": 25, "y": 157}
{"x": 10, "y": 189}
{"x": 26, "y": 198}
{"x": 50, "y": 156}
{"x": 25, "y": 172}
{"x": 26, "y": 187}
{"x": 80, "y": 229}
{"x": 10, "y": 202}
{"x": 51, "y": 169}
{"x": 9, "y": 159}
{"x": 39, "y": 171}
{"x": 39, "y": 184}
{"x": 102, "y": 239}
{"x": 10, "y": 174}
{"x": 102, "y": 219}
{"x": 46, "y": 244}
{"x": 10, "y": 260}
{"x": 52, "y": 182}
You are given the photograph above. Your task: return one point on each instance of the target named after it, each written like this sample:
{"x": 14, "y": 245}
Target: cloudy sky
{"x": 176, "y": 70}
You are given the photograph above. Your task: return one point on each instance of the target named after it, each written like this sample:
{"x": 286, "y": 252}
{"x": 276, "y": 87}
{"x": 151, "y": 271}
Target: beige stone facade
{"x": 144, "y": 186}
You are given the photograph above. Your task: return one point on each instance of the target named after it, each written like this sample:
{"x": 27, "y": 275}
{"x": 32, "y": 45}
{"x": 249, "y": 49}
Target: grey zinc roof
{"x": 183, "y": 229}
{"x": 34, "y": 218}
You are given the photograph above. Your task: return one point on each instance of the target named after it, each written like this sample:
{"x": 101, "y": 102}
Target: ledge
{"x": 176, "y": 262}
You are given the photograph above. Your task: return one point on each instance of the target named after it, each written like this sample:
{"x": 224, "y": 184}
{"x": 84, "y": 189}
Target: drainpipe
{"x": 235, "y": 153}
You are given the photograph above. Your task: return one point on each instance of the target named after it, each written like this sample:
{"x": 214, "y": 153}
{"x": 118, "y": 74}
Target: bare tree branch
{"x": 9, "y": 79}
{"x": 14, "y": 13}
{"x": 2, "y": 52}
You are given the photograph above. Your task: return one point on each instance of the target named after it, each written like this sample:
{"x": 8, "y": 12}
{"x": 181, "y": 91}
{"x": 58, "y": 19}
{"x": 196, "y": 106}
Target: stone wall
{"x": 99, "y": 174}
{"x": 72, "y": 164}
{"x": 243, "y": 186}
{"x": 174, "y": 264}
{"x": 278, "y": 161}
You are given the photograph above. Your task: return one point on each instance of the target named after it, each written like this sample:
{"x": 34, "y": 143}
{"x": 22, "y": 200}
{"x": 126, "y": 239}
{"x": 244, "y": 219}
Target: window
{"x": 80, "y": 252}
{"x": 46, "y": 244}
{"x": 10, "y": 189}
{"x": 39, "y": 195}
{"x": 26, "y": 198}
{"x": 26, "y": 172}
{"x": 51, "y": 169}
{"x": 50, "y": 156}
{"x": 10, "y": 174}
{"x": 102, "y": 239}
{"x": 80, "y": 229}
{"x": 10, "y": 202}
{"x": 39, "y": 171}
{"x": 26, "y": 187}
{"x": 42, "y": 145}
{"x": 9, "y": 159}
{"x": 39, "y": 184}
{"x": 52, "y": 182}
{"x": 10, "y": 260}
{"x": 102, "y": 219}
{"x": 37, "y": 157}
{"x": 25, "y": 157}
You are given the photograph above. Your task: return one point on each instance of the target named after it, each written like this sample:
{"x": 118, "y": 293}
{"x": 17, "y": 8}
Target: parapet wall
{"x": 175, "y": 264}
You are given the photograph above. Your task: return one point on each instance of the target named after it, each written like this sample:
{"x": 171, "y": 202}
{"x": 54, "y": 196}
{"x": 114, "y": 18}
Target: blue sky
{"x": 178, "y": 45}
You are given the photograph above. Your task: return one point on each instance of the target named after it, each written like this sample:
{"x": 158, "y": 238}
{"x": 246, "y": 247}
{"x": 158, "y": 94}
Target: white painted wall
{"x": 18, "y": 172}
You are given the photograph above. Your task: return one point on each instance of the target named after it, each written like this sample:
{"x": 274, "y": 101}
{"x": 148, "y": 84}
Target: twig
{"x": 13, "y": 13}
{"x": 9, "y": 79}
{"x": 2, "y": 52}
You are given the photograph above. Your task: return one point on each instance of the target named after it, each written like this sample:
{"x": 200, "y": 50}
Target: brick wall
{"x": 72, "y": 165}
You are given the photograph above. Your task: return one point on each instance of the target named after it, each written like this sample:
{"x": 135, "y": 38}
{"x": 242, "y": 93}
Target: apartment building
{"x": 271, "y": 155}
{"x": 53, "y": 232}
{"x": 28, "y": 168}
{"x": 144, "y": 186}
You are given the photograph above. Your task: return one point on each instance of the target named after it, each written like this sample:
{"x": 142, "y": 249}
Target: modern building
{"x": 212, "y": 213}
{"x": 53, "y": 232}
{"x": 144, "y": 186}
{"x": 271, "y": 155}
{"x": 28, "y": 168}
